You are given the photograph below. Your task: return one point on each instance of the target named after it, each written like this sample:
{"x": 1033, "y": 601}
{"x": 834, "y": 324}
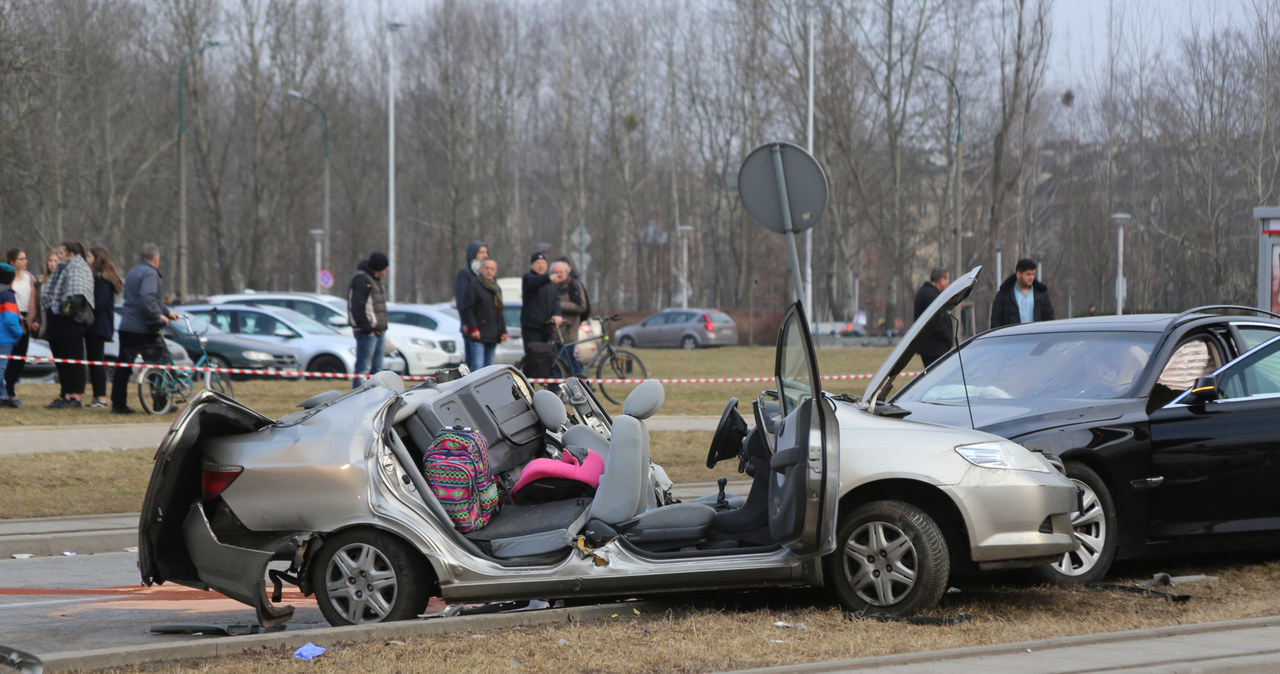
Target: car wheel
{"x": 368, "y": 576}
{"x": 1094, "y": 527}
{"x": 326, "y": 364}
{"x": 627, "y": 342}
{"x": 689, "y": 342}
{"x": 890, "y": 558}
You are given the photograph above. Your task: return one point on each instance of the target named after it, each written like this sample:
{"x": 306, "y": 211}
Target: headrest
{"x": 388, "y": 379}
{"x": 646, "y": 400}
{"x": 549, "y": 409}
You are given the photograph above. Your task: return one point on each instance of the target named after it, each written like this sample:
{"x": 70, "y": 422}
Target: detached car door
{"x": 1219, "y": 461}
{"x": 804, "y": 478}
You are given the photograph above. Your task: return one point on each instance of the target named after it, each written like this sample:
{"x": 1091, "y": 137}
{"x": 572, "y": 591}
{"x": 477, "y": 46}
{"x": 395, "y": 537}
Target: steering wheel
{"x": 729, "y": 434}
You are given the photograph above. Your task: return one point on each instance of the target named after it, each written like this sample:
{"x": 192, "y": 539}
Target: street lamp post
{"x": 317, "y": 234}
{"x": 684, "y": 231}
{"x": 1120, "y": 219}
{"x": 392, "y": 27}
{"x": 324, "y": 243}
{"x": 809, "y": 9}
{"x": 184, "y": 288}
{"x": 958, "y": 164}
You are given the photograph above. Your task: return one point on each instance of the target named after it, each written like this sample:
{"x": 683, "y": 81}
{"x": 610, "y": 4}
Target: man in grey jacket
{"x": 141, "y": 319}
{"x": 367, "y": 313}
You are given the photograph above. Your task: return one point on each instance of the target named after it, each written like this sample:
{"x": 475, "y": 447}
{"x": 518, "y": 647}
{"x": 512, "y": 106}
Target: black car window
{"x": 720, "y": 317}
{"x": 1257, "y": 374}
{"x": 1253, "y": 335}
{"x": 257, "y": 324}
{"x": 1057, "y": 366}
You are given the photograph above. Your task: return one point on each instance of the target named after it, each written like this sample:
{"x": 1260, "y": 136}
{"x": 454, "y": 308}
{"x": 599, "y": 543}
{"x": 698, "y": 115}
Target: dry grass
{"x": 724, "y": 632}
{"x": 73, "y": 483}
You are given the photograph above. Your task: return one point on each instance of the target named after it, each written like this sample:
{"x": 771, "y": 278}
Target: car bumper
{"x": 1015, "y": 517}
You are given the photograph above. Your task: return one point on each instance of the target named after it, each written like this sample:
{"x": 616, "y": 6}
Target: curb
{"x": 81, "y": 534}
{"x": 128, "y": 656}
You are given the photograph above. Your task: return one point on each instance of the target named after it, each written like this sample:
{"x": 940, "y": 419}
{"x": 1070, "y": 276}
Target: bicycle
{"x": 160, "y": 390}
{"x": 609, "y": 364}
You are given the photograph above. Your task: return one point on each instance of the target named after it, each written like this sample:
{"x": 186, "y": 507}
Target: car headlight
{"x": 256, "y": 355}
{"x": 422, "y": 343}
{"x": 1002, "y": 454}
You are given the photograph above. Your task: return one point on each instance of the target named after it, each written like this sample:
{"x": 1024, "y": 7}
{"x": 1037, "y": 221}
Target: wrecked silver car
{"x": 880, "y": 510}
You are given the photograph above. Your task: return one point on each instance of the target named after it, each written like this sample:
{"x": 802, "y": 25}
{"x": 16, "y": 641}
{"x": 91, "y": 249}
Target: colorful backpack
{"x": 456, "y": 467}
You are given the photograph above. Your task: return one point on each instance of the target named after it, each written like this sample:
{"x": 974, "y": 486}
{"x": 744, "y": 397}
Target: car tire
{"x": 369, "y": 576}
{"x": 627, "y": 342}
{"x": 1094, "y": 527}
{"x": 326, "y": 364}
{"x": 891, "y": 558}
{"x": 689, "y": 342}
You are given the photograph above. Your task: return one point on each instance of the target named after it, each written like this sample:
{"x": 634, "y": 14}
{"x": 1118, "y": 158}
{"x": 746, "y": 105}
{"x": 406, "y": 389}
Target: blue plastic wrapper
{"x": 308, "y": 651}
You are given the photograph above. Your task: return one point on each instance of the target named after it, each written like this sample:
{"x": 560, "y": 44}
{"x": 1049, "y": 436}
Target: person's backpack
{"x": 456, "y": 467}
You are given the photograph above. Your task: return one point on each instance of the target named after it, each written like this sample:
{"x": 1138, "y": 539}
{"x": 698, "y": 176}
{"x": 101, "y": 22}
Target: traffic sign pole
{"x": 787, "y": 228}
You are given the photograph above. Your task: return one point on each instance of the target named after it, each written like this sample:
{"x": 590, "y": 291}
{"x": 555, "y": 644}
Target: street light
{"x": 392, "y": 27}
{"x": 317, "y": 234}
{"x": 1120, "y": 219}
{"x": 958, "y": 165}
{"x": 184, "y": 288}
{"x": 809, "y": 8}
{"x": 684, "y": 231}
{"x": 324, "y": 243}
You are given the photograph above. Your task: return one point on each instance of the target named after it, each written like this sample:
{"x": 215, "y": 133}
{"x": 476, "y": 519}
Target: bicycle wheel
{"x": 619, "y": 365}
{"x": 221, "y": 383}
{"x": 155, "y": 391}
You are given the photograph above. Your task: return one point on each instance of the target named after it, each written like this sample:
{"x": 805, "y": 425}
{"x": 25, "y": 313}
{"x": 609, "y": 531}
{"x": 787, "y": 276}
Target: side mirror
{"x": 1204, "y": 390}
{"x": 338, "y": 322}
{"x": 284, "y": 332}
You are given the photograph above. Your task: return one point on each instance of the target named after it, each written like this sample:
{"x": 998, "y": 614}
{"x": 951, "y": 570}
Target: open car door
{"x": 805, "y": 467}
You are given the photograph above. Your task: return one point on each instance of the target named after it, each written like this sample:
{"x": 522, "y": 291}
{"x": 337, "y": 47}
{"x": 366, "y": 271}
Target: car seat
{"x": 620, "y": 505}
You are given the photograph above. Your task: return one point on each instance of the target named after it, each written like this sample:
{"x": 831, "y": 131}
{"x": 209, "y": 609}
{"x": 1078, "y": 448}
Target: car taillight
{"x": 707, "y": 324}
{"x": 218, "y": 478}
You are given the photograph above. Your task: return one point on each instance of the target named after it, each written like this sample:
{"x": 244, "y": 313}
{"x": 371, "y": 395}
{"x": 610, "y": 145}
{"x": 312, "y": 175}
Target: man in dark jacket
{"x": 939, "y": 340}
{"x": 141, "y": 319}
{"x": 477, "y": 253}
{"x": 481, "y": 313}
{"x": 1021, "y": 298}
{"x": 367, "y": 312}
{"x": 540, "y": 315}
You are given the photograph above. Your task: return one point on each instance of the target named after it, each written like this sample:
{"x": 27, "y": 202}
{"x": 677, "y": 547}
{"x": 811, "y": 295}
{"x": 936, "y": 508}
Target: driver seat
{"x": 619, "y": 508}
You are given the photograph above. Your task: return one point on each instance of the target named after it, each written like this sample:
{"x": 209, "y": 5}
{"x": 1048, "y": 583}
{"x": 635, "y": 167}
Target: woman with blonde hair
{"x": 106, "y": 285}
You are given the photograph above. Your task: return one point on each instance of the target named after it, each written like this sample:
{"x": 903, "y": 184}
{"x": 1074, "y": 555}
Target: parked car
{"x": 320, "y": 348}
{"x": 424, "y": 351}
{"x": 1166, "y": 461}
{"x": 879, "y": 510}
{"x": 685, "y": 328}
{"x": 444, "y": 319}
{"x": 229, "y": 351}
{"x": 39, "y": 348}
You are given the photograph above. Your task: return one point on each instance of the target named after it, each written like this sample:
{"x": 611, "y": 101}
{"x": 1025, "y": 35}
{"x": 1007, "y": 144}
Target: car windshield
{"x": 1053, "y": 366}
{"x": 305, "y": 323}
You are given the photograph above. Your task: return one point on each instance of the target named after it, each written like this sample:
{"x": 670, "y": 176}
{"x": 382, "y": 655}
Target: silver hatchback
{"x": 684, "y": 328}
{"x": 844, "y": 495}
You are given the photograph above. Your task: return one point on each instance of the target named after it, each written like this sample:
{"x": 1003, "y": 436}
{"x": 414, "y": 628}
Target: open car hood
{"x": 880, "y": 385}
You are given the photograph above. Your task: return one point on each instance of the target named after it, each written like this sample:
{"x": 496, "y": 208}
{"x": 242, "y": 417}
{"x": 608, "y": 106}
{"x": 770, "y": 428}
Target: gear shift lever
{"x": 722, "y": 502}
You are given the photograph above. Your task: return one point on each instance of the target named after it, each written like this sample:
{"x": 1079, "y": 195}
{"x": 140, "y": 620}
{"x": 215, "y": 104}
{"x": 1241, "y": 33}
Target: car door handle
{"x": 785, "y": 459}
{"x": 1147, "y": 483}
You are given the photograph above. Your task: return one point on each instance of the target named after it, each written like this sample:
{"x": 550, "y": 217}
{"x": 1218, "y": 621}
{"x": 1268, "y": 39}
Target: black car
{"x": 229, "y": 351}
{"x": 1169, "y": 423}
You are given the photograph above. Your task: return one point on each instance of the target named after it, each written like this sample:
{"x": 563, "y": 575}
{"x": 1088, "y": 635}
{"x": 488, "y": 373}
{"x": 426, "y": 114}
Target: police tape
{"x": 296, "y": 374}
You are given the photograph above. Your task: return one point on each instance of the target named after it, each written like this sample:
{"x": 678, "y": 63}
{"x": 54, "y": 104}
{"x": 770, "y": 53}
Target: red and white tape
{"x": 342, "y": 375}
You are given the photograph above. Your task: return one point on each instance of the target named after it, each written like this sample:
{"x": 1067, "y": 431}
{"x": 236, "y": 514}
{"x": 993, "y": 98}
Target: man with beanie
{"x": 477, "y": 253}
{"x": 10, "y": 327}
{"x": 367, "y": 312}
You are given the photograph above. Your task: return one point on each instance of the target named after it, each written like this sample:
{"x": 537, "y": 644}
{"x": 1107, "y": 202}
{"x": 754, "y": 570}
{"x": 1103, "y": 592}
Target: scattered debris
{"x": 132, "y": 548}
{"x": 308, "y": 651}
{"x": 960, "y": 618}
{"x": 479, "y": 636}
{"x": 232, "y": 630}
{"x": 563, "y": 642}
{"x": 395, "y": 642}
{"x": 20, "y": 660}
{"x": 68, "y": 554}
{"x": 782, "y": 623}
{"x": 22, "y": 555}
{"x": 1175, "y": 598}
{"x": 1172, "y": 581}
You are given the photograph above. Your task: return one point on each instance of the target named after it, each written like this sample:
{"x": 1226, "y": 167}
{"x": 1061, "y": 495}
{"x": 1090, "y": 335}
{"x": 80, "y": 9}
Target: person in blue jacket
{"x": 10, "y": 327}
